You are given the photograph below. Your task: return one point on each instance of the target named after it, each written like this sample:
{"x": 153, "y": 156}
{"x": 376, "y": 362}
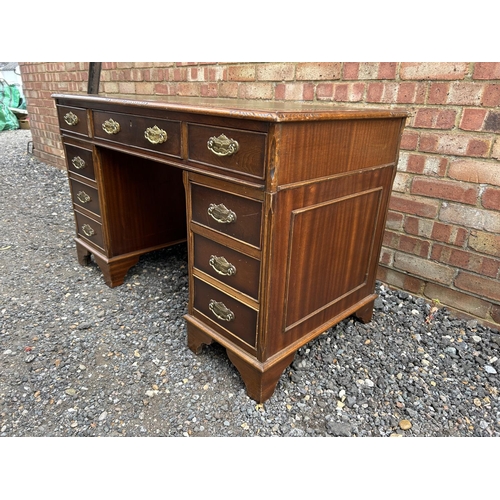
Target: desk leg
{"x": 366, "y": 312}
{"x": 260, "y": 380}
{"x": 114, "y": 272}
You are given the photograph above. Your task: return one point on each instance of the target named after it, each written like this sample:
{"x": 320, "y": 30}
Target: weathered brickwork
{"x": 442, "y": 236}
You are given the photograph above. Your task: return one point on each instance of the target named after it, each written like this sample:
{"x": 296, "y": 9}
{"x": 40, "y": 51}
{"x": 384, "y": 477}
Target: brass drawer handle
{"x": 87, "y": 230}
{"x": 111, "y": 127}
{"x": 222, "y": 145}
{"x": 83, "y": 196}
{"x": 155, "y": 135}
{"x": 78, "y": 162}
{"x": 220, "y": 310}
{"x": 71, "y": 119}
{"x": 222, "y": 266}
{"x": 221, "y": 214}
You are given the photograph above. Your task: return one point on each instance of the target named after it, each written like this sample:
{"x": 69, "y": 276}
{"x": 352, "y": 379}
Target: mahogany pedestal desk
{"x": 283, "y": 207}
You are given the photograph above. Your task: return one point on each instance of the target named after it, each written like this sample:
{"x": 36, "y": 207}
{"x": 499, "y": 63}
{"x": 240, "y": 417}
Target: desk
{"x": 283, "y": 207}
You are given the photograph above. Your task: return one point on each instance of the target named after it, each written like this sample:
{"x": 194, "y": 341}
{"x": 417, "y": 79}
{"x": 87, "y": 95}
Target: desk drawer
{"x": 80, "y": 161}
{"x": 89, "y": 229}
{"x": 73, "y": 120}
{"x": 229, "y": 149}
{"x": 85, "y": 196}
{"x": 233, "y": 268}
{"x": 162, "y": 136}
{"x": 232, "y": 315}
{"x": 227, "y": 213}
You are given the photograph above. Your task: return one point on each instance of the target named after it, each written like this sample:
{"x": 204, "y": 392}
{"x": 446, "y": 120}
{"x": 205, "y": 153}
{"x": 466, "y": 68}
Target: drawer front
{"x": 227, "y": 213}
{"x": 228, "y": 149}
{"x": 229, "y": 266}
{"x": 227, "y": 312}
{"x": 85, "y": 196}
{"x": 162, "y": 136}
{"x": 80, "y": 161}
{"x": 73, "y": 120}
{"x": 89, "y": 229}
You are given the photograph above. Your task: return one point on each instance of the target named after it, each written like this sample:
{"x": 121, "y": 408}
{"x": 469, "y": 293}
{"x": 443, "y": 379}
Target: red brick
{"x": 465, "y": 260}
{"x": 188, "y": 89}
{"x": 478, "y": 147}
{"x": 484, "y": 287}
{"x": 350, "y": 71}
{"x": 482, "y": 172}
{"x": 491, "y": 198}
{"x": 228, "y": 89}
{"x": 294, "y": 91}
{"x": 414, "y": 205}
{"x": 446, "y": 233}
{"x": 243, "y": 73}
{"x": 209, "y": 90}
{"x": 424, "y": 268}
{"x": 407, "y": 244}
{"x": 495, "y": 315}
{"x": 447, "y": 190}
{"x": 438, "y": 93}
{"x": 348, "y": 92}
{"x": 409, "y": 140}
{"x": 394, "y": 220}
{"x": 407, "y": 93}
{"x": 463, "y": 215}
{"x": 430, "y": 165}
{"x": 435, "y": 118}
{"x": 386, "y": 256}
{"x": 465, "y": 93}
{"x": 324, "y": 91}
{"x": 318, "y": 71}
{"x": 375, "y": 92}
{"x": 417, "y": 226}
{"x": 400, "y": 280}
{"x": 491, "y": 95}
{"x": 276, "y": 72}
{"x": 433, "y": 71}
{"x": 257, "y": 90}
{"x": 382, "y": 92}
{"x": 473, "y": 119}
{"x": 486, "y": 71}
{"x": 492, "y": 122}
{"x": 484, "y": 242}
{"x": 454, "y": 144}
{"x": 387, "y": 71}
{"x": 495, "y": 153}
{"x": 458, "y": 300}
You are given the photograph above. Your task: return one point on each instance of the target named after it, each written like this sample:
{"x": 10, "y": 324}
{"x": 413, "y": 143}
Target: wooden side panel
{"x": 324, "y": 252}
{"x": 329, "y": 253}
{"x": 321, "y": 149}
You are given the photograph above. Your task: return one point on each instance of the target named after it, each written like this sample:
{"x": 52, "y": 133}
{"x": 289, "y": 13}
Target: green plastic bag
{"x": 9, "y": 94}
{"x": 8, "y": 120}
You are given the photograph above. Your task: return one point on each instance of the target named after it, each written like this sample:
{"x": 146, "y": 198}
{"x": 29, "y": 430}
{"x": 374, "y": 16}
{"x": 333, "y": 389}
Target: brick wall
{"x": 442, "y": 238}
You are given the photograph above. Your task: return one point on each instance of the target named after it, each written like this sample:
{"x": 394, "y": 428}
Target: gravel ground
{"x": 80, "y": 359}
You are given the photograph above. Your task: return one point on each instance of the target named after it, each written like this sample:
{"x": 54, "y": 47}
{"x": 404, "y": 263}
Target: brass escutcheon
{"x": 222, "y": 145}
{"x": 221, "y": 214}
{"x": 155, "y": 135}
{"x": 87, "y": 230}
{"x": 220, "y": 310}
{"x": 71, "y": 119}
{"x": 111, "y": 127}
{"x": 83, "y": 196}
{"x": 78, "y": 162}
{"x": 222, "y": 266}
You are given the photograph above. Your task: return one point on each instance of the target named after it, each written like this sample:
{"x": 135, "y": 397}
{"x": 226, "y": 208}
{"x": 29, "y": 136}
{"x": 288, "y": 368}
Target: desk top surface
{"x": 273, "y": 111}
